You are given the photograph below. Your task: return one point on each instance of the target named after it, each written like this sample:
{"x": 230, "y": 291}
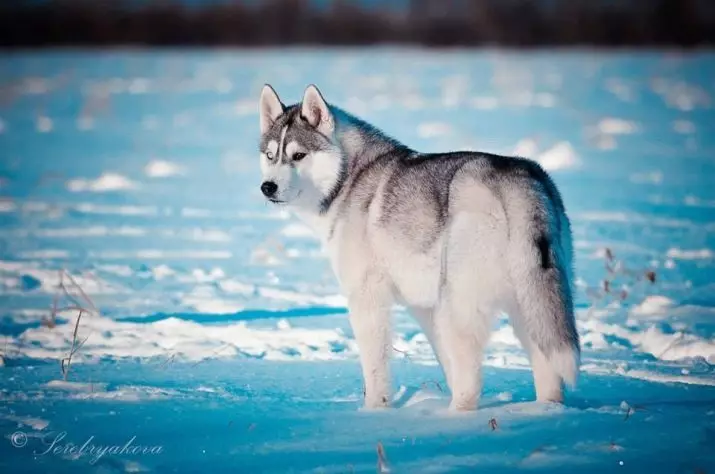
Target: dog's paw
{"x": 376, "y": 403}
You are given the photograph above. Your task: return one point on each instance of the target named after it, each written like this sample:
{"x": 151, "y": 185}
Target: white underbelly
{"x": 416, "y": 277}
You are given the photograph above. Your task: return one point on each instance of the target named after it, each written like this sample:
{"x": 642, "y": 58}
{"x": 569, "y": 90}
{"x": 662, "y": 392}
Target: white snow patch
{"x": 668, "y": 378}
{"x": 34, "y": 423}
{"x": 504, "y": 396}
{"x": 633, "y": 219}
{"x": 684, "y": 127}
{"x": 412, "y": 102}
{"x": 47, "y": 254}
{"x": 201, "y": 276}
{"x": 671, "y": 347}
{"x": 127, "y": 393}
{"x": 162, "y": 271}
{"x": 246, "y": 107}
{"x": 264, "y": 256}
{"x": 526, "y": 148}
{"x": 336, "y": 301}
{"x": 163, "y": 169}
{"x": 560, "y": 156}
{"x": 209, "y": 235}
{"x": 620, "y": 89}
{"x": 34, "y": 85}
{"x": 297, "y": 230}
{"x": 191, "y": 212}
{"x": 156, "y": 254}
{"x": 681, "y": 95}
{"x": 44, "y": 124}
{"x": 652, "y": 305}
{"x": 106, "y": 182}
{"x": 119, "y": 270}
{"x": 652, "y": 177}
{"x": 92, "y": 231}
{"x": 85, "y": 123}
{"x": 49, "y": 279}
{"x": 433, "y": 129}
{"x": 6, "y": 205}
{"x": 236, "y": 287}
{"x": 616, "y": 126}
{"x": 91, "y": 208}
{"x": 681, "y": 254}
{"x": 176, "y": 338}
{"x": 69, "y": 386}
{"x": 211, "y": 305}
{"x": 695, "y": 201}
{"x": 484, "y": 103}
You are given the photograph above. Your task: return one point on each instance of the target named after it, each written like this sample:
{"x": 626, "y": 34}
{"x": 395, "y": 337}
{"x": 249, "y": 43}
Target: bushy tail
{"x": 540, "y": 267}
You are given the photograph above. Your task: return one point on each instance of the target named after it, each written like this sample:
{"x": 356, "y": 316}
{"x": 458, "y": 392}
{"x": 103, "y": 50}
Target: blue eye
{"x": 269, "y": 155}
{"x": 298, "y": 156}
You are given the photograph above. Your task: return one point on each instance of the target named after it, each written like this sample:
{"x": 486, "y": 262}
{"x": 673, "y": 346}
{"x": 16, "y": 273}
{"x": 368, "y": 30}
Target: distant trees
{"x": 518, "y": 23}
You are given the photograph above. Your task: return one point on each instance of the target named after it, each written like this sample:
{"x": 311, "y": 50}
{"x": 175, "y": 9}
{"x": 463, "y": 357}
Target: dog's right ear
{"x": 270, "y": 108}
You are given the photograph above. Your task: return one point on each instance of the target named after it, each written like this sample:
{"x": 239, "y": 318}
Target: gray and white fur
{"x": 456, "y": 237}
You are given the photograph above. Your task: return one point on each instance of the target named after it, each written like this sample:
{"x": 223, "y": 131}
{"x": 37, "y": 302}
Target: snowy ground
{"x": 221, "y": 343}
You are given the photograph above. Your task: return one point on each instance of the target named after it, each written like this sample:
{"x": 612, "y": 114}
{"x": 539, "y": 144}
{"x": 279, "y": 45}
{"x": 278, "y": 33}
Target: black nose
{"x": 269, "y": 188}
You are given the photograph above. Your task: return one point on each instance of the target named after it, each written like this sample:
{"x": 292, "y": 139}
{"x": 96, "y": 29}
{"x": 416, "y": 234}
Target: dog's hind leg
{"x": 547, "y": 382}
{"x": 469, "y": 293}
{"x": 463, "y": 332}
{"x": 426, "y": 319}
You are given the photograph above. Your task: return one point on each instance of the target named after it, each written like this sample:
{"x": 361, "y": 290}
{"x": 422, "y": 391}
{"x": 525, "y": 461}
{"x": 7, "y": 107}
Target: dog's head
{"x": 301, "y": 160}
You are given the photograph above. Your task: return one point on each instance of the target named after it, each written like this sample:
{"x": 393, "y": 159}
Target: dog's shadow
{"x": 435, "y": 399}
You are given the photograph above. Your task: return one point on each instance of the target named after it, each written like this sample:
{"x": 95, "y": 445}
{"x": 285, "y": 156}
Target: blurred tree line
{"x": 517, "y": 23}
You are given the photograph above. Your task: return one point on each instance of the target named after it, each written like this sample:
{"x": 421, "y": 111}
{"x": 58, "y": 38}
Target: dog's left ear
{"x": 316, "y": 111}
{"x": 270, "y": 108}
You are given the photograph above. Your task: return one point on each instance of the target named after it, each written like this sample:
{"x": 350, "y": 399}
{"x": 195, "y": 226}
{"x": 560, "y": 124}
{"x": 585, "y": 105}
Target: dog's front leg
{"x": 370, "y": 320}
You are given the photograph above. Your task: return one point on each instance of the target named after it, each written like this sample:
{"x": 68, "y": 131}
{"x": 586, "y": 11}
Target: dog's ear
{"x": 270, "y": 108}
{"x": 316, "y": 111}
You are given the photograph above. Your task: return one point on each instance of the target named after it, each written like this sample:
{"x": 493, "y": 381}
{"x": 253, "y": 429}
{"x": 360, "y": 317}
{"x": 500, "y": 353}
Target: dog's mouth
{"x": 280, "y": 201}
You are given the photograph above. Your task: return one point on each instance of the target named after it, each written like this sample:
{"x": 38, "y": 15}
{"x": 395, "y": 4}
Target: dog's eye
{"x": 298, "y": 156}
{"x": 269, "y": 155}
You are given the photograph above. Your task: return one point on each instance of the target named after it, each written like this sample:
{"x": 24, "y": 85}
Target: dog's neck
{"x": 361, "y": 144}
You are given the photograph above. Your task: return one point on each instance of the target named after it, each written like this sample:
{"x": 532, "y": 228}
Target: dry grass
{"x": 493, "y": 424}
{"x": 382, "y": 466}
{"x": 70, "y": 290}
{"x": 619, "y": 283}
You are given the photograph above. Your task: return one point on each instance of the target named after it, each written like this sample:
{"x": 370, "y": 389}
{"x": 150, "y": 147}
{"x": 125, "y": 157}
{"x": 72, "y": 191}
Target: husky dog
{"x": 456, "y": 237}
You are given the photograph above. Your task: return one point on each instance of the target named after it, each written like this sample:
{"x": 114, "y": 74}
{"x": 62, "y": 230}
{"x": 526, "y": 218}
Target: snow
{"x": 682, "y": 254}
{"x": 7, "y": 205}
{"x": 222, "y": 336}
{"x": 433, "y": 129}
{"x": 298, "y": 230}
{"x": 616, "y": 126}
{"x": 106, "y": 182}
{"x": 560, "y": 156}
{"x": 654, "y": 304}
{"x": 163, "y": 169}
{"x": 684, "y": 127}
